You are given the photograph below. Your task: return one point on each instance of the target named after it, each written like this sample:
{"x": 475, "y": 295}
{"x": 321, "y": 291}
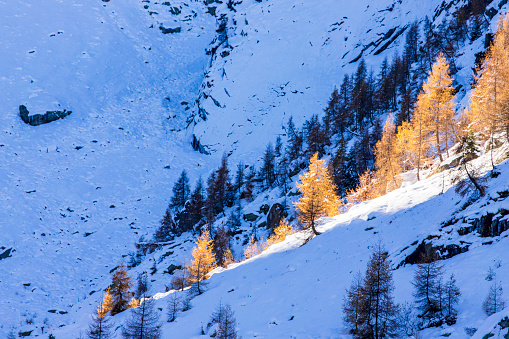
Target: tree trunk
{"x": 313, "y": 228}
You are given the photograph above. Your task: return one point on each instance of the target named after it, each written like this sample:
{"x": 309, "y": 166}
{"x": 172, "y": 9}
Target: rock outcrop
{"x": 39, "y": 119}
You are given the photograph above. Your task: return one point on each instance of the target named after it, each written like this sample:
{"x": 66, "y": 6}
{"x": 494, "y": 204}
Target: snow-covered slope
{"x": 295, "y": 289}
{"x": 284, "y": 58}
{"x": 76, "y": 193}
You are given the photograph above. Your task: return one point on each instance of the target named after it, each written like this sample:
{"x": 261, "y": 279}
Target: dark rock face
{"x": 443, "y": 252}
{"x": 165, "y": 30}
{"x": 276, "y": 213}
{"x": 6, "y": 254}
{"x": 39, "y": 119}
{"x": 490, "y": 226}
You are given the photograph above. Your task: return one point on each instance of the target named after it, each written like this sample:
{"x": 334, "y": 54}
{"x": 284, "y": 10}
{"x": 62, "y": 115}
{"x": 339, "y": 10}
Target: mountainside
{"x": 296, "y": 288}
{"x": 145, "y": 82}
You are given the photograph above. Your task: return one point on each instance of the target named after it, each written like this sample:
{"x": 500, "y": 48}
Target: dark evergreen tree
{"x": 181, "y": 191}
{"x": 224, "y": 317}
{"x": 359, "y": 100}
{"x": 353, "y": 305}
{"x": 167, "y": 228}
{"x": 428, "y": 291}
{"x": 278, "y": 147}
{"x": 239, "y": 178}
{"x": 295, "y": 141}
{"x": 452, "y": 295}
{"x": 363, "y": 151}
{"x": 174, "y": 307}
{"x": 338, "y": 168}
{"x": 379, "y": 310}
{"x": 101, "y": 325}
{"x": 212, "y": 198}
{"x": 315, "y": 136}
{"x": 221, "y": 245}
{"x": 142, "y": 285}
{"x": 247, "y": 193}
{"x": 144, "y": 322}
{"x": 268, "y": 170}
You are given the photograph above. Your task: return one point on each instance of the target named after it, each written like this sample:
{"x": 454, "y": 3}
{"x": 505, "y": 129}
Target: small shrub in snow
{"x": 174, "y": 306}
{"x": 494, "y": 301}
{"x": 224, "y": 317}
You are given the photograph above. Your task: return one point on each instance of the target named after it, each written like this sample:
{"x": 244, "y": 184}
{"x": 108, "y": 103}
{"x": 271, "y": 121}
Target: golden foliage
{"x": 319, "y": 197}
{"x": 365, "y": 190}
{"x": 489, "y": 108}
{"x": 203, "y": 260}
{"x": 134, "y": 303}
{"x": 228, "y": 258}
{"x": 387, "y": 160}
{"x": 280, "y": 232}
{"x": 253, "y": 248}
{"x": 106, "y": 305}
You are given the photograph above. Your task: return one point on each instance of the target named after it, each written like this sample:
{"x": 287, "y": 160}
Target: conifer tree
{"x": 181, "y": 191}
{"x": 452, "y": 295}
{"x": 120, "y": 289}
{"x": 428, "y": 291}
{"x": 268, "y": 173}
{"x": 319, "y": 197}
{"x": 252, "y": 249}
{"x": 387, "y": 162}
{"x": 181, "y": 278}
{"x": 144, "y": 322}
{"x": 167, "y": 228}
{"x": 221, "y": 245}
{"x": 353, "y": 305}
{"x": 280, "y": 232}
{"x": 203, "y": 260}
{"x": 489, "y": 108}
{"x": 494, "y": 301}
{"x": 224, "y": 317}
{"x": 420, "y": 144}
{"x": 315, "y": 136}
{"x": 101, "y": 325}
{"x": 107, "y": 303}
{"x": 377, "y": 319}
{"x": 295, "y": 140}
{"x": 174, "y": 307}
{"x": 195, "y": 209}
{"x": 436, "y": 103}
{"x": 228, "y": 258}
{"x": 365, "y": 189}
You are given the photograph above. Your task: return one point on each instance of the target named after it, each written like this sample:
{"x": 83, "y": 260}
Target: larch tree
{"x": 174, "y": 307}
{"x": 224, "y": 317}
{"x": 203, "y": 260}
{"x": 428, "y": 289}
{"x": 352, "y": 305}
{"x": 489, "y": 107}
{"x": 386, "y": 160}
{"x": 494, "y": 301}
{"x": 101, "y": 325}
{"x": 144, "y": 322}
{"x": 280, "y": 232}
{"x": 121, "y": 289}
{"x": 319, "y": 197}
{"x": 378, "y": 315}
{"x": 437, "y": 102}
{"x": 452, "y": 295}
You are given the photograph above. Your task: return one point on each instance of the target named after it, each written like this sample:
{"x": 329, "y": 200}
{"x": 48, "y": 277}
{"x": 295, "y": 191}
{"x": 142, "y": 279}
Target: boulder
{"x": 39, "y": 119}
